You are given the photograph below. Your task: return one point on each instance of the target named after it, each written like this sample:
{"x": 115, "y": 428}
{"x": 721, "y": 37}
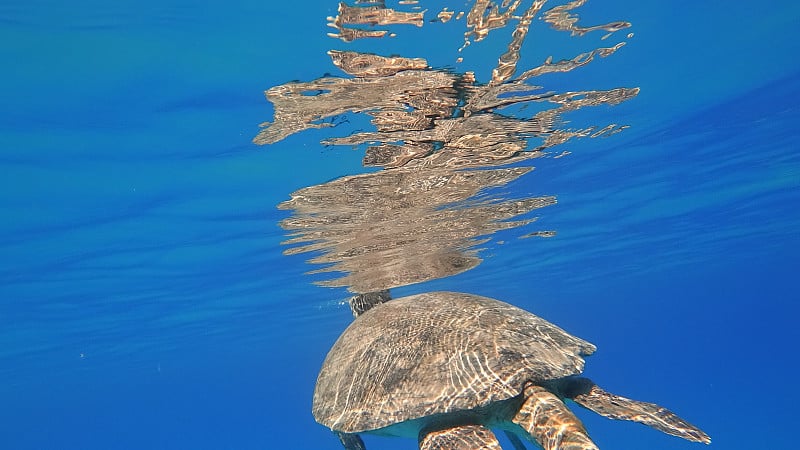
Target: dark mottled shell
{"x": 437, "y": 353}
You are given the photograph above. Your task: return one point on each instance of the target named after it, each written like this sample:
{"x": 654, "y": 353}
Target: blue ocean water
{"x": 145, "y": 301}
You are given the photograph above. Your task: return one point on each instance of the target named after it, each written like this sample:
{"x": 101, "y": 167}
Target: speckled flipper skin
{"x": 585, "y": 393}
{"x": 548, "y": 420}
{"x": 466, "y": 437}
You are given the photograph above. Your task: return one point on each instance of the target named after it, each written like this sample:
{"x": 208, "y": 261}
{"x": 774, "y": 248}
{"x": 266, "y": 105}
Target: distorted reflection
{"x": 442, "y": 138}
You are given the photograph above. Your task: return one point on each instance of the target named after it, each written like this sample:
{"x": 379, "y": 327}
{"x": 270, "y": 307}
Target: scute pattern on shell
{"x": 437, "y": 353}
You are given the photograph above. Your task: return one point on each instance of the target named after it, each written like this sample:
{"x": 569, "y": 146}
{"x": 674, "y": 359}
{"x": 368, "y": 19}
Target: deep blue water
{"x": 144, "y": 299}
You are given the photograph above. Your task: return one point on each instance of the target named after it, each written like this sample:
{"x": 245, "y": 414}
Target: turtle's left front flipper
{"x": 585, "y": 393}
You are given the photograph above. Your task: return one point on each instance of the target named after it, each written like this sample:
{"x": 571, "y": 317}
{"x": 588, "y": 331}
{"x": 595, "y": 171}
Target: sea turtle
{"x": 446, "y": 367}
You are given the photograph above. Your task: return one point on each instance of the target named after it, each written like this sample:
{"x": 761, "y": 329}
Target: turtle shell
{"x": 437, "y": 353}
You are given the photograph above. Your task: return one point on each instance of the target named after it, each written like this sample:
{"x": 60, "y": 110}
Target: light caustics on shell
{"x": 423, "y": 215}
{"x": 487, "y": 351}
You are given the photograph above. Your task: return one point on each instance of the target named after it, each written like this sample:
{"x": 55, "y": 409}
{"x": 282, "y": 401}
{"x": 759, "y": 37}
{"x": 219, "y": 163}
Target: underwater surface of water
{"x": 144, "y": 298}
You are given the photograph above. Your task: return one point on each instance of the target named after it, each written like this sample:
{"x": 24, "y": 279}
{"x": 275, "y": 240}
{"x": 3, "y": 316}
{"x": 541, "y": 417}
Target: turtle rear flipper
{"x": 550, "y": 423}
{"x": 587, "y": 394}
{"x": 465, "y": 437}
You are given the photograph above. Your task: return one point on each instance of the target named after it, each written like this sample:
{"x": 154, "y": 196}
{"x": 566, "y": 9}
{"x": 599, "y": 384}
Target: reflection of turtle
{"x": 445, "y": 367}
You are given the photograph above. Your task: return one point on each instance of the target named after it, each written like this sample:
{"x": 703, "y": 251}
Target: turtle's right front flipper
{"x": 587, "y": 394}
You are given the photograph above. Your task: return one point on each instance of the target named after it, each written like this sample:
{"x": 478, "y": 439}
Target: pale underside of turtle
{"x": 446, "y": 368}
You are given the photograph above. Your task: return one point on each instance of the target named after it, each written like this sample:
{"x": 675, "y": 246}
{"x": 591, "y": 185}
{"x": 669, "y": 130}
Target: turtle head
{"x": 363, "y": 302}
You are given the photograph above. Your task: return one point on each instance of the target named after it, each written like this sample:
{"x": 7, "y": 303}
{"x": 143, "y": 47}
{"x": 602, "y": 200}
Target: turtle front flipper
{"x": 587, "y": 394}
{"x": 550, "y": 423}
{"x": 465, "y": 437}
{"x": 351, "y": 441}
